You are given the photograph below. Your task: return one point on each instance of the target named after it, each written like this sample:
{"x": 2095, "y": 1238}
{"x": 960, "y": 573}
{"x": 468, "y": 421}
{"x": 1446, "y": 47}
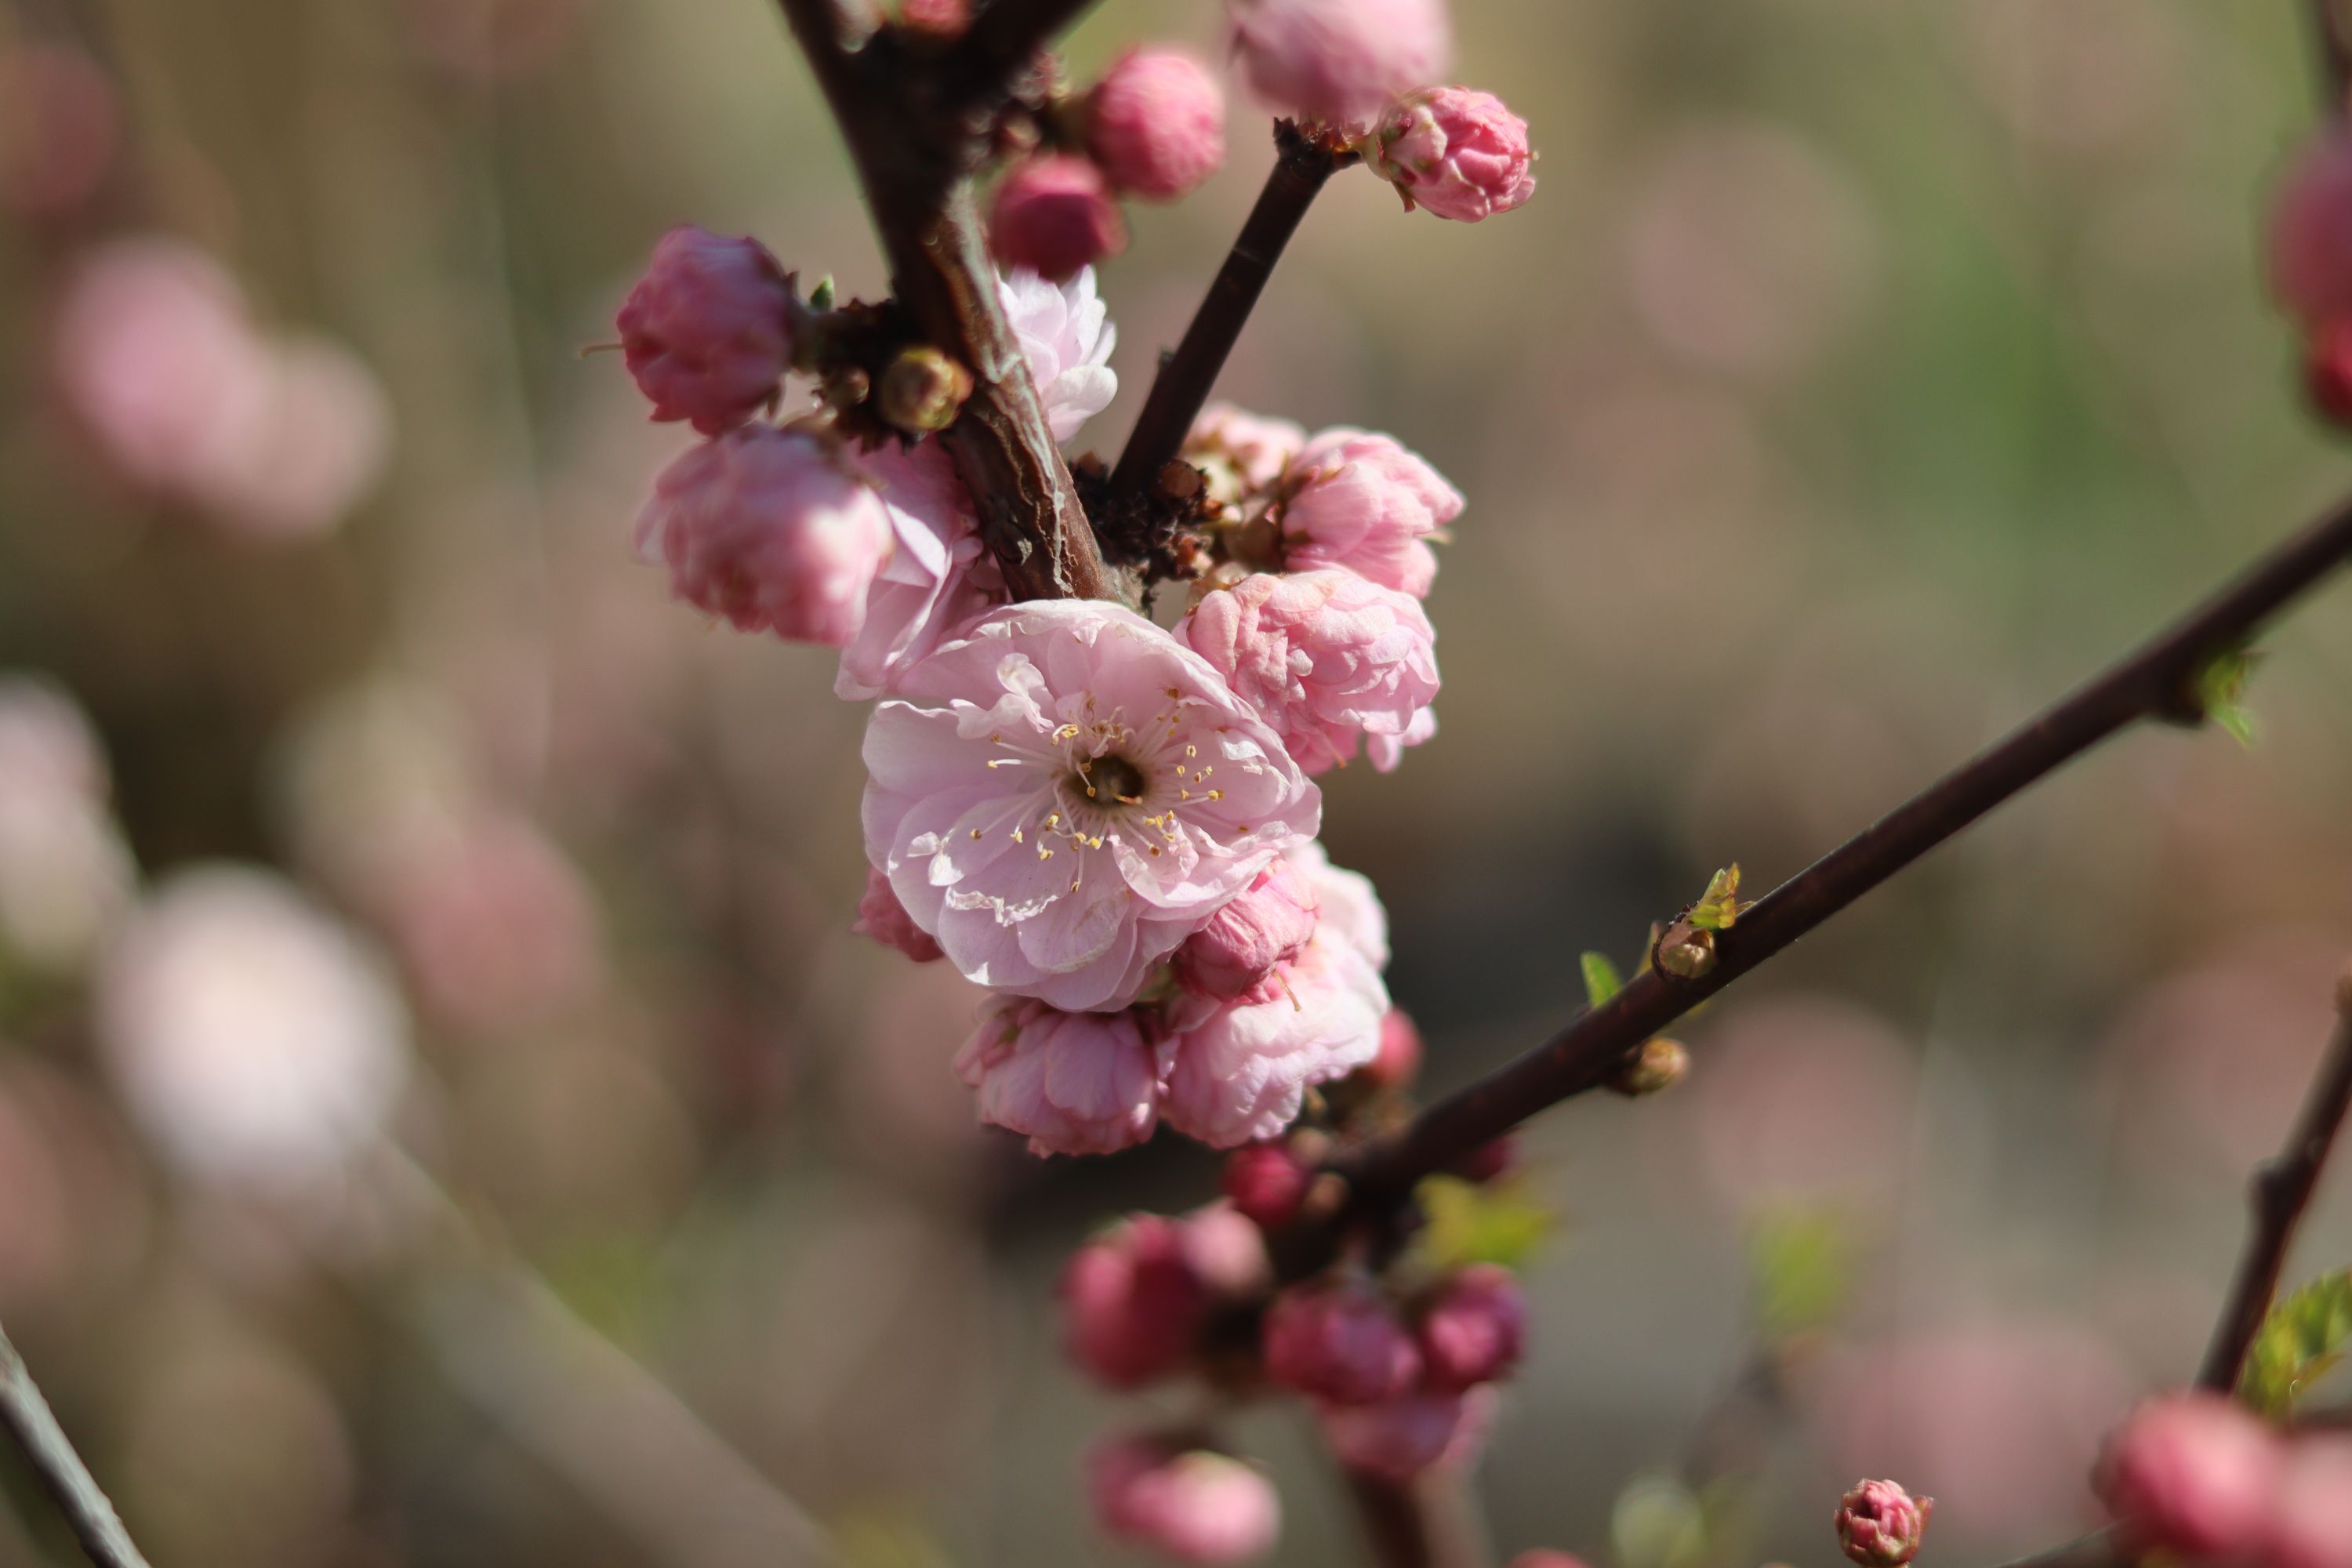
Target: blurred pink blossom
{"x": 2310, "y": 1524}
{"x": 1226, "y": 1252}
{"x": 1190, "y": 1505}
{"x": 1398, "y": 1061}
{"x": 1474, "y": 1329}
{"x": 2311, "y": 231}
{"x": 1397, "y": 1440}
{"x": 1341, "y": 1343}
{"x": 1267, "y": 1182}
{"x": 2194, "y": 1474}
{"x": 66, "y": 873}
{"x": 60, "y": 125}
{"x": 1340, "y": 62}
{"x": 1132, "y": 1302}
{"x": 1156, "y": 123}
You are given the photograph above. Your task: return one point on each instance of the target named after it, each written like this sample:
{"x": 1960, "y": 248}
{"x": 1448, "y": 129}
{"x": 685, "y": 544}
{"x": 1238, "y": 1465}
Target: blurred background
{"x": 1864, "y": 373}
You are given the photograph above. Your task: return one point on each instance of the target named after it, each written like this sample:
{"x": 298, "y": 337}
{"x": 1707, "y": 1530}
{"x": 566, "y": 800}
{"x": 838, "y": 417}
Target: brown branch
{"x": 26, "y": 1417}
{"x": 2280, "y": 1193}
{"x": 1301, "y": 165}
{"x": 2156, "y": 681}
{"x": 1427, "y": 1522}
{"x": 1005, "y": 36}
{"x": 917, "y": 144}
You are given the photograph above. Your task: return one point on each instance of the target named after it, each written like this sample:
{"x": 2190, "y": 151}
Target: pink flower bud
{"x": 1267, "y": 1182}
{"x": 2311, "y": 1522}
{"x": 1329, "y": 658}
{"x": 1227, "y": 1253}
{"x": 1366, "y": 505}
{"x": 1456, "y": 151}
{"x": 2190, "y": 1473}
{"x": 1879, "y": 1525}
{"x": 1545, "y": 1557}
{"x": 1242, "y": 942}
{"x": 1397, "y": 1440}
{"x": 771, "y": 530}
{"x": 1474, "y": 1331}
{"x": 707, "y": 332}
{"x": 1192, "y": 1504}
{"x": 1131, "y": 1303}
{"x": 1340, "y": 62}
{"x": 2310, "y": 232}
{"x": 1074, "y": 1083}
{"x": 1156, "y": 123}
{"x": 1338, "y": 1342}
{"x": 881, "y": 916}
{"x": 939, "y": 18}
{"x": 1055, "y": 216}
{"x": 1399, "y": 1062}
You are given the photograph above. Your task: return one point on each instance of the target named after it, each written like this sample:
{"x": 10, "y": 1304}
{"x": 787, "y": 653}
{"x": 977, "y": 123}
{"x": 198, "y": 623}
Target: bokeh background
{"x": 1864, "y": 373}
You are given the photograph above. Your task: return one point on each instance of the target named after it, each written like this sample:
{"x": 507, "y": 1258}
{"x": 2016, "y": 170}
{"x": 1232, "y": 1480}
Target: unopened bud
{"x": 1267, "y": 1181}
{"x": 1658, "y": 1066}
{"x": 1880, "y": 1525}
{"x": 1180, "y": 481}
{"x": 922, "y": 391}
{"x": 846, "y": 386}
{"x": 1685, "y": 951}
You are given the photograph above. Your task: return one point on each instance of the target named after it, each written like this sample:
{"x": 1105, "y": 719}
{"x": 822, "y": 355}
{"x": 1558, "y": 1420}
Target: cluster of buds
{"x": 1398, "y": 1360}
{"x": 2199, "y": 1478}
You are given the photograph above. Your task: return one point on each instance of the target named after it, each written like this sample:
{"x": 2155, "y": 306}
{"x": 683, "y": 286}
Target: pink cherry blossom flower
{"x": 1054, "y": 214}
{"x": 881, "y": 916}
{"x": 939, "y": 579}
{"x": 707, "y": 332}
{"x": 771, "y": 529}
{"x": 1880, "y": 1525}
{"x": 2311, "y": 1519}
{"x": 1364, "y": 503}
{"x": 2310, "y": 232}
{"x": 1064, "y": 795}
{"x": 1338, "y": 1342}
{"x": 2193, "y": 1474}
{"x": 1156, "y": 123}
{"x": 1457, "y": 151}
{"x": 1348, "y": 904}
{"x": 492, "y": 922}
{"x": 1267, "y": 1182}
{"x": 1474, "y": 1331}
{"x": 1242, "y": 453}
{"x": 1242, "y": 942}
{"x": 1397, "y": 1440}
{"x": 1132, "y": 1303}
{"x": 1189, "y": 1504}
{"x": 1329, "y": 657}
{"x": 1075, "y": 1083}
{"x": 317, "y": 431}
{"x": 1340, "y": 62}
{"x": 1066, "y": 337}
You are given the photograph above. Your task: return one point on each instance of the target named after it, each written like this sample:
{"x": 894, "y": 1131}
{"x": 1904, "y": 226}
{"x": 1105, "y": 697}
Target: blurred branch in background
{"x": 1430, "y": 1521}
{"x": 59, "y": 1469}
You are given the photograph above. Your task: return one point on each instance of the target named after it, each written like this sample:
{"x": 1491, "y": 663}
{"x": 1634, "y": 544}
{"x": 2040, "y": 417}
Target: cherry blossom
{"x": 1068, "y": 337}
{"x": 938, "y": 580}
{"x": 1361, "y": 501}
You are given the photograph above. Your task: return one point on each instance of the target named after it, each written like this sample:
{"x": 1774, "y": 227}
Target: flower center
{"x": 1108, "y": 779}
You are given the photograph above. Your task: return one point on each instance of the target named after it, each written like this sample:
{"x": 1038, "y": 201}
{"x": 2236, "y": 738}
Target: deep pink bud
{"x": 1055, "y": 216}
{"x": 1399, "y": 1062}
{"x": 707, "y": 332}
{"x": 1545, "y": 1557}
{"x": 1879, "y": 1525}
{"x": 1156, "y": 123}
{"x": 1227, "y": 1253}
{"x": 1456, "y": 151}
{"x": 1338, "y": 1342}
{"x": 2311, "y": 1522}
{"x": 2310, "y": 232}
{"x": 1242, "y": 942}
{"x": 771, "y": 529}
{"x": 2328, "y": 370}
{"x": 1398, "y": 1438}
{"x": 2190, "y": 1473}
{"x": 1131, "y": 1303}
{"x": 1192, "y": 1504}
{"x": 1474, "y": 1331}
{"x": 881, "y": 916}
{"x": 939, "y": 18}
{"x": 1267, "y": 1181}
{"x": 1340, "y": 62}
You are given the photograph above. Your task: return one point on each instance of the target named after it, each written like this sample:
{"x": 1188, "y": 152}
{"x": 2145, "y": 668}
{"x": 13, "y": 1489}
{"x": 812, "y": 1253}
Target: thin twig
{"x": 1301, "y": 165}
{"x": 1427, "y": 1522}
{"x": 2156, "y": 680}
{"x": 62, "y": 1475}
{"x": 2281, "y": 1191}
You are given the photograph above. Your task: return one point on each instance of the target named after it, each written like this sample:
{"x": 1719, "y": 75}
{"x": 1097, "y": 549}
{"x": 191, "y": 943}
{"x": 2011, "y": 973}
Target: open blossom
{"x": 1241, "y": 944}
{"x": 1456, "y": 151}
{"x": 1064, "y": 795}
{"x": 1075, "y": 1083}
{"x": 1191, "y": 1504}
{"x": 1474, "y": 1331}
{"x": 938, "y": 580}
{"x": 1339, "y": 60}
{"x": 881, "y": 916}
{"x": 1398, "y": 1438}
{"x": 1338, "y": 1342}
{"x": 2191, "y": 1474}
{"x": 1066, "y": 337}
{"x": 771, "y": 529}
{"x": 253, "y": 1039}
{"x": 1879, "y": 1525}
{"x": 1156, "y": 123}
{"x": 1132, "y": 1302}
{"x": 1054, "y": 214}
{"x": 707, "y": 332}
{"x": 1362, "y": 502}
{"x": 1329, "y": 656}
{"x": 1242, "y": 453}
